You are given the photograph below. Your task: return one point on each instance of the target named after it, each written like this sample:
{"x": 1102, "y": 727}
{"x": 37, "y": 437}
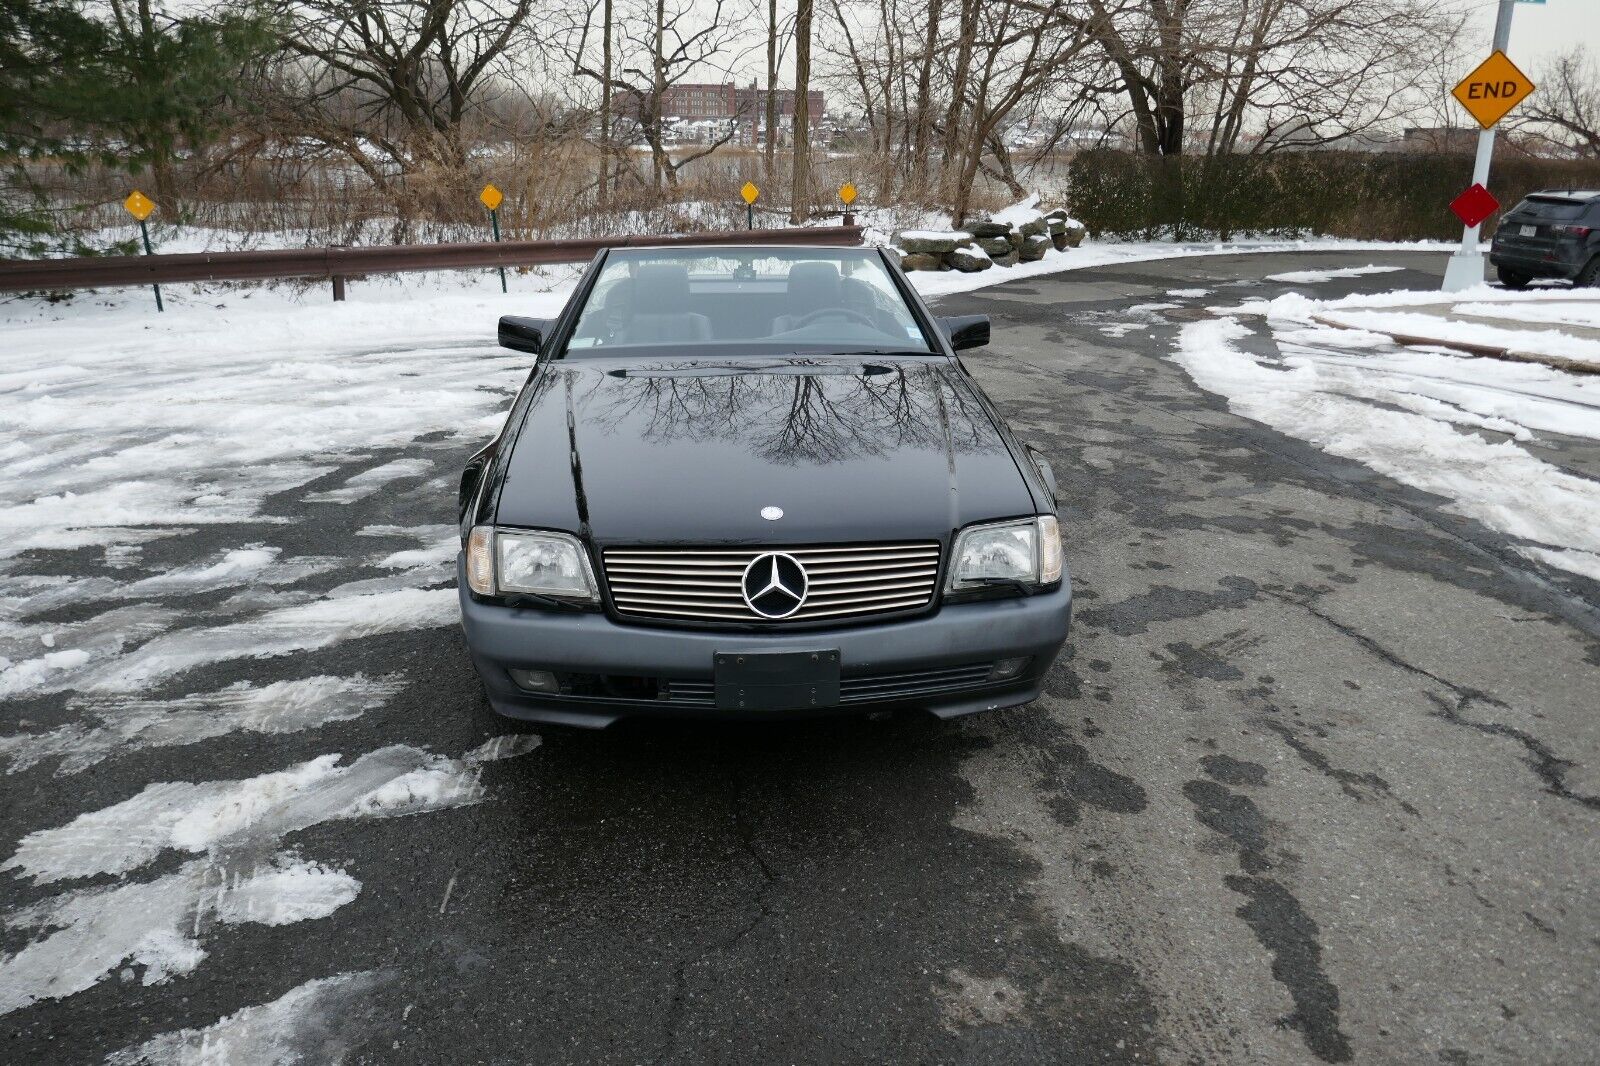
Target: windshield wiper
{"x": 722, "y": 370}
{"x": 882, "y": 351}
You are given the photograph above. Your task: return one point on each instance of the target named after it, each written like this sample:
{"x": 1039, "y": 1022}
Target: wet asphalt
{"x": 1314, "y": 781}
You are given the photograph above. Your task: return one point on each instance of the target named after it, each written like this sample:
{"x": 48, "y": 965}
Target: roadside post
{"x": 491, "y": 198}
{"x": 847, "y": 196}
{"x": 749, "y": 192}
{"x": 139, "y": 206}
{"x": 1488, "y": 93}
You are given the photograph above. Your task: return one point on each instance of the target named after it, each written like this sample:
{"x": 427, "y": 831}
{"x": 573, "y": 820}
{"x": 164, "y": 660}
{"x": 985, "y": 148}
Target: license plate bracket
{"x": 776, "y": 681}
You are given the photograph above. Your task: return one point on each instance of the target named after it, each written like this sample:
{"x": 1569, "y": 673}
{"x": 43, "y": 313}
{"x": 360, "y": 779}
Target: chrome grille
{"x": 703, "y": 584}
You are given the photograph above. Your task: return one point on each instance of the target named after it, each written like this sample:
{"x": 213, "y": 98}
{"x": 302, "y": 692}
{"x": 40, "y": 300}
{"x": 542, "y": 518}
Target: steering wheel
{"x": 806, "y": 320}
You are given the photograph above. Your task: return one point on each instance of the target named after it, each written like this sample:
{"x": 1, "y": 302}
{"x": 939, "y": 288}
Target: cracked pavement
{"x": 1315, "y": 781}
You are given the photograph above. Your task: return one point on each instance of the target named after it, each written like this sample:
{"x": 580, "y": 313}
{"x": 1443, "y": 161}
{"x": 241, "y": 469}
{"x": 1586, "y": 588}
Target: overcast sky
{"x": 1540, "y": 30}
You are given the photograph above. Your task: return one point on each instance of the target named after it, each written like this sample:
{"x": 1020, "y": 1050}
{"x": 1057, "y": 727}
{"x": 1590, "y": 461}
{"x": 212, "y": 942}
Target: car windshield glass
{"x": 722, "y": 301}
{"x": 1552, "y": 209}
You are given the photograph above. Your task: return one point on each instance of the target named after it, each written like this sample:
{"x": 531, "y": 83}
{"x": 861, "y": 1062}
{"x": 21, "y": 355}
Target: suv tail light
{"x": 1575, "y": 231}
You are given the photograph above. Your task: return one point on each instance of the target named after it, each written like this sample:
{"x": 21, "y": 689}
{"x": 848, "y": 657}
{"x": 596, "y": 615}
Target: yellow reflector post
{"x": 138, "y": 205}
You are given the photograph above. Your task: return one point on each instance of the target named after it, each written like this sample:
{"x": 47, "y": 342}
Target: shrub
{"x": 1365, "y": 196}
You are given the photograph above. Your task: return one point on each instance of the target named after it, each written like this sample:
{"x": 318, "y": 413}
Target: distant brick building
{"x": 1439, "y": 140}
{"x": 702, "y": 101}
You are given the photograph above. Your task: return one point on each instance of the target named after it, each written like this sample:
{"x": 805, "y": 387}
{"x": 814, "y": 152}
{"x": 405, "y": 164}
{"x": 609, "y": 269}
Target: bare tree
{"x": 1565, "y": 111}
{"x": 1265, "y": 74}
{"x": 605, "y": 100}
{"x": 800, "y": 162}
{"x": 772, "y": 87}
{"x": 392, "y": 84}
{"x": 1018, "y": 51}
{"x": 663, "y": 42}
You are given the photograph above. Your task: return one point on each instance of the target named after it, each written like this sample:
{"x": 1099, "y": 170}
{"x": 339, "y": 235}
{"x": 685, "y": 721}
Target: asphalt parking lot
{"x": 1315, "y": 781}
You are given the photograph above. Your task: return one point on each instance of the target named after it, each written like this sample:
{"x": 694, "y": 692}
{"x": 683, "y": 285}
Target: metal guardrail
{"x": 97, "y": 272}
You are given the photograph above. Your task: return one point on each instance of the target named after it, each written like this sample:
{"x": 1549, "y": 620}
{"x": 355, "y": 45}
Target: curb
{"x": 1491, "y": 351}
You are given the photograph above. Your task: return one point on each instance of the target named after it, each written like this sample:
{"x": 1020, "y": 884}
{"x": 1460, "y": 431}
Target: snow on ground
{"x": 1456, "y": 426}
{"x": 1314, "y": 277}
{"x": 318, "y": 1021}
{"x": 168, "y": 446}
{"x": 1097, "y": 254}
{"x": 83, "y": 935}
{"x": 128, "y": 723}
{"x": 1541, "y": 313}
{"x": 1557, "y": 344}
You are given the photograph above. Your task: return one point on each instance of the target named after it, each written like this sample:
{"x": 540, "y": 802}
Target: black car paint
{"x": 484, "y": 479}
{"x": 568, "y": 458}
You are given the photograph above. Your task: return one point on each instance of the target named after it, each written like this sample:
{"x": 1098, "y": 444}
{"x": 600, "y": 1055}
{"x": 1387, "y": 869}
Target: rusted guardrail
{"x": 97, "y": 272}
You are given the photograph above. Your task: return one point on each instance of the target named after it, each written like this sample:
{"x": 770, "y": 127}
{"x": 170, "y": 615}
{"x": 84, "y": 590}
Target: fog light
{"x": 536, "y": 680}
{"x": 1006, "y": 669}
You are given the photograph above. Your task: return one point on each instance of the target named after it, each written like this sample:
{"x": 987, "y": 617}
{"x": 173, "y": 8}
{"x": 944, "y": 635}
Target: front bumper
{"x": 930, "y": 663}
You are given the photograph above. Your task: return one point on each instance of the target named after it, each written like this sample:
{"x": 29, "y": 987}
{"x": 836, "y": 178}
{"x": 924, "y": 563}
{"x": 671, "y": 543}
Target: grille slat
{"x": 704, "y": 583}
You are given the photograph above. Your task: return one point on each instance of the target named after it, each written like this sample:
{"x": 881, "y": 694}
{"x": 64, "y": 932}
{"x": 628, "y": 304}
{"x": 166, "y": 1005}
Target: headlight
{"x": 545, "y": 564}
{"x": 1028, "y": 551}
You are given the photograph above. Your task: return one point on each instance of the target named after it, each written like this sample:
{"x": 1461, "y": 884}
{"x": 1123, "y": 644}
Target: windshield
{"x": 723, "y": 301}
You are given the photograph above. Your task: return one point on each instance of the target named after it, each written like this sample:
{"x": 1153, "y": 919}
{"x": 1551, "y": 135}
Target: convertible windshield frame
{"x": 884, "y": 318}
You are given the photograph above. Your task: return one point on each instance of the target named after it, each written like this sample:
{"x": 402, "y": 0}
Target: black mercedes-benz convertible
{"x": 755, "y": 482}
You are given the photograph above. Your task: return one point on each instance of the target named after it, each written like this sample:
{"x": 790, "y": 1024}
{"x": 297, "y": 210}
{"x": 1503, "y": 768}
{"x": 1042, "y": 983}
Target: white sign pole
{"x": 1465, "y": 268}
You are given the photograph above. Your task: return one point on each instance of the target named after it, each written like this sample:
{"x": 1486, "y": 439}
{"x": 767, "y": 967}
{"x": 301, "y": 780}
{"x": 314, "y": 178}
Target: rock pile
{"x": 1020, "y": 236}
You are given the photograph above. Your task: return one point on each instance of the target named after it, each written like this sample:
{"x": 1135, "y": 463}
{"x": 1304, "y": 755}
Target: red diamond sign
{"x": 1474, "y": 205}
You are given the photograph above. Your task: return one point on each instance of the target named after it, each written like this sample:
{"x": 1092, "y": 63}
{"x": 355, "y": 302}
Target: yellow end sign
{"x": 847, "y": 193}
{"x": 1493, "y": 89}
{"x": 749, "y": 192}
{"x": 491, "y": 197}
{"x": 138, "y": 205}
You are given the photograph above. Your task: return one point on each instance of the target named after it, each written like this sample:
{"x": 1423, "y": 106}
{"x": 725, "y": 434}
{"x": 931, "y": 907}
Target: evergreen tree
{"x": 125, "y": 84}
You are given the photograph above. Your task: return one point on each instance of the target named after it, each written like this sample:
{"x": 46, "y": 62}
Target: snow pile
{"x": 937, "y": 234}
{"x": 1551, "y": 343}
{"x": 1402, "y": 414}
{"x": 1019, "y": 213}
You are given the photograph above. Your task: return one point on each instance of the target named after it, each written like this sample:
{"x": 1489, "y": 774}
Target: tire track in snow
{"x": 278, "y": 631}
{"x": 134, "y": 724}
{"x": 236, "y": 827}
{"x": 318, "y": 1022}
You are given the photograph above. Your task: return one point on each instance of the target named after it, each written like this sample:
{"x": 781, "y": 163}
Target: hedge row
{"x": 1340, "y": 194}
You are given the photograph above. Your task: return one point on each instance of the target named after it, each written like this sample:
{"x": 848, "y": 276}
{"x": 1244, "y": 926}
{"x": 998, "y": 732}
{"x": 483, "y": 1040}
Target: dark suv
{"x": 1552, "y": 234}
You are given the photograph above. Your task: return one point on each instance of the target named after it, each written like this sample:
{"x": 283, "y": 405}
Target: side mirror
{"x": 523, "y": 334}
{"x": 966, "y": 331}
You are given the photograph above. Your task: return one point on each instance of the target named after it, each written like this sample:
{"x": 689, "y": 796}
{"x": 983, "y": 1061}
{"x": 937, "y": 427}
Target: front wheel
{"x": 1512, "y": 279}
{"x": 1589, "y": 276}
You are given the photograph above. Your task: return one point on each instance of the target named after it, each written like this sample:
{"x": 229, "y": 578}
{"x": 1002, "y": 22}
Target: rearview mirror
{"x": 966, "y": 331}
{"x": 523, "y": 334}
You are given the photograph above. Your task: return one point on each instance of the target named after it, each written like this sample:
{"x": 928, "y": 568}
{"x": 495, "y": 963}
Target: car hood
{"x": 680, "y": 453}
